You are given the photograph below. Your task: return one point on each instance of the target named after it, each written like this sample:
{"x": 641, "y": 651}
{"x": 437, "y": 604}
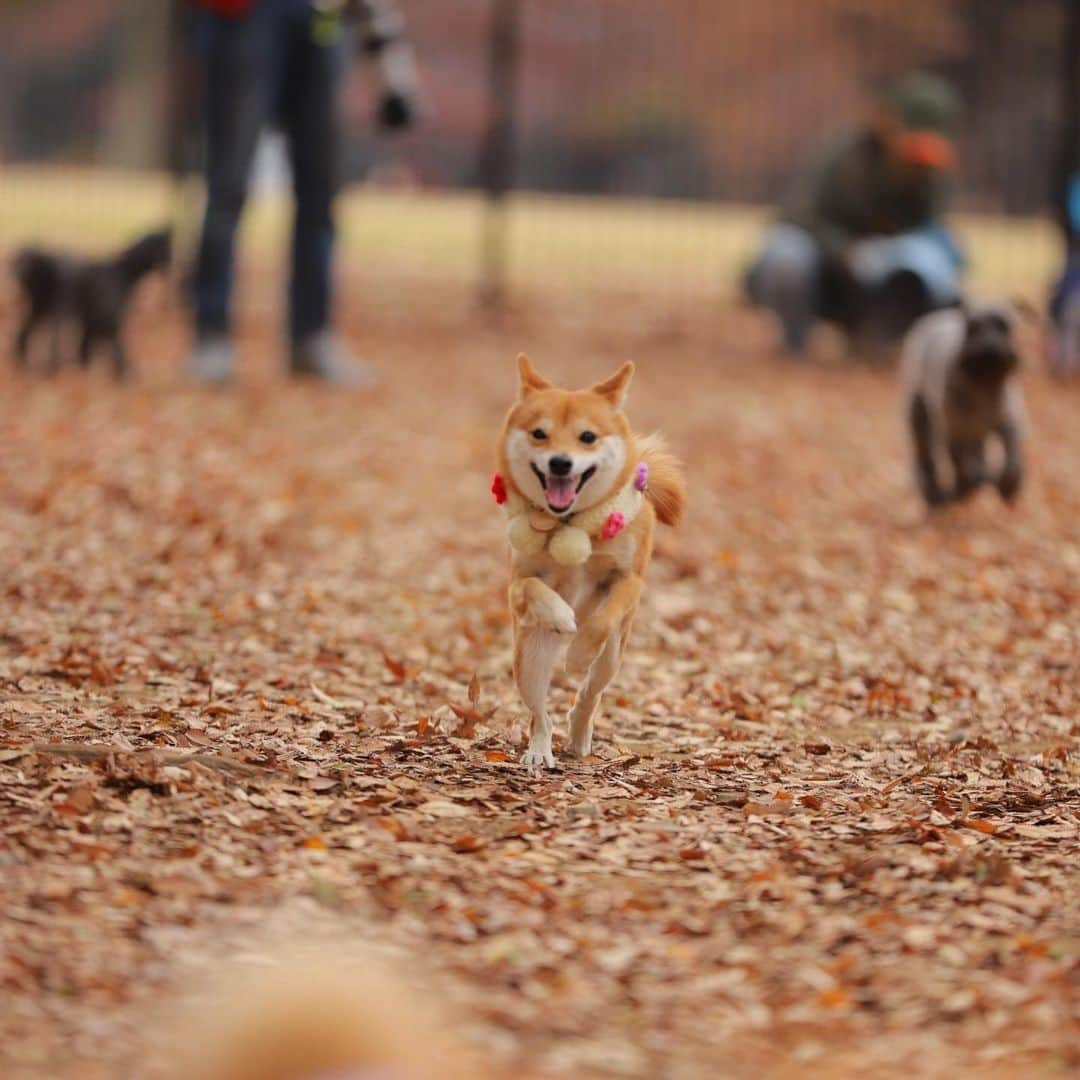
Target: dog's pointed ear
{"x": 531, "y": 380}
{"x": 615, "y": 388}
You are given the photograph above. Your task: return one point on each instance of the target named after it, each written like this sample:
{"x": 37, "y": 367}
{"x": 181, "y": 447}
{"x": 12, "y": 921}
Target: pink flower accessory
{"x": 641, "y": 477}
{"x": 614, "y": 525}
{"x": 498, "y": 489}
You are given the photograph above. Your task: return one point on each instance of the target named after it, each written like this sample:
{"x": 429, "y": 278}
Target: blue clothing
{"x": 1063, "y": 336}
{"x": 1065, "y": 288}
{"x": 789, "y": 275}
{"x": 787, "y": 280}
{"x": 278, "y": 65}
{"x": 930, "y": 253}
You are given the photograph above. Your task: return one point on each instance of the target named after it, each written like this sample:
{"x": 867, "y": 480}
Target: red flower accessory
{"x": 613, "y": 526}
{"x": 498, "y": 489}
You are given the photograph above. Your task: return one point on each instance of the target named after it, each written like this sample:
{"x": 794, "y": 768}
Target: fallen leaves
{"x": 466, "y": 845}
{"x": 826, "y": 812}
{"x": 979, "y": 825}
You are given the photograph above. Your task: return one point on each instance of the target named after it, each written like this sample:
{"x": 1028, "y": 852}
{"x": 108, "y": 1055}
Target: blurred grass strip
{"x": 691, "y": 250}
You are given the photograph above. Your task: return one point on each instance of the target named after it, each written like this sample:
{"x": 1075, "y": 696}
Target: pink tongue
{"x": 560, "y": 491}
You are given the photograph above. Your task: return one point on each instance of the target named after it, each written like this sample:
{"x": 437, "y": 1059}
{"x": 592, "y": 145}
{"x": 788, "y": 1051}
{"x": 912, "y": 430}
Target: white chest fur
{"x": 578, "y": 585}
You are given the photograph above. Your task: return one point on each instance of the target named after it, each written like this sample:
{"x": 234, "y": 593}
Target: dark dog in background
{"x": 90, "y": 294}
{"x": 961, "y": 389}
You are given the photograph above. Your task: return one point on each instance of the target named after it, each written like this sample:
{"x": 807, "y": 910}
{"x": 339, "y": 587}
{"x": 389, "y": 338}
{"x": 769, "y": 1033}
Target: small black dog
{"x": 91, "y": 294}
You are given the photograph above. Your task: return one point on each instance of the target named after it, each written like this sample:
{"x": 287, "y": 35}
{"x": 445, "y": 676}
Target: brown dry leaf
{"x": 464, "y": 845}
{"x": 395, "y": 667}
{"x": 979, "y": 825}
{"x": 78, "y": 802}
{"x": 779, "y": 856}
{"x": 470, "y": 716}
{"x": 394, "y": 827}
{"x": 835, "y": 997}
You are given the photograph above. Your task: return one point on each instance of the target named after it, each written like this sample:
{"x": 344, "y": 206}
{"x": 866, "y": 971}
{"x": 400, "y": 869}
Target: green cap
{"x": 925, "y": 102}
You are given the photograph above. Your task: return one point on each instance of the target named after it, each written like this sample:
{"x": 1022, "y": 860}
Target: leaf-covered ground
{"x": 832, "y": 825}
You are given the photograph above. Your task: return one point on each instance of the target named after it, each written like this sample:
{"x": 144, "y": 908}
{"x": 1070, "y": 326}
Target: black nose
{"x": 560, "y": 465}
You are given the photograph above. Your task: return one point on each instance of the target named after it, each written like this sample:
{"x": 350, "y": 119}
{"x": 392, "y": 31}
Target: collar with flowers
{"x": 569, "y": 539}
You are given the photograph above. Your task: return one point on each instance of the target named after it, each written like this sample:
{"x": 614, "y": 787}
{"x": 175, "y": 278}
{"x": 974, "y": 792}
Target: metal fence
{"x": 625, "y": 144}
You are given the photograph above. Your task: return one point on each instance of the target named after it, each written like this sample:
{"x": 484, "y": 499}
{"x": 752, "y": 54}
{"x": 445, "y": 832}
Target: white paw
{"x": 552, "y": 612}
{"x": 538, "y": 756}
{"x": 581, "y": 747}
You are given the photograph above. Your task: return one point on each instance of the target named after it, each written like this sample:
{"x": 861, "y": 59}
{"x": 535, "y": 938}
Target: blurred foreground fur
{"x": 961, "y": 389}
{"x": 335, "y": 1016}
{"x": 90, "y": 294}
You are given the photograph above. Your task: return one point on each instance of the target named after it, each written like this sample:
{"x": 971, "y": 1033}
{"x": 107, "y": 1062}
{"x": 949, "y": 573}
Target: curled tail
{"x": 667, "y": 479}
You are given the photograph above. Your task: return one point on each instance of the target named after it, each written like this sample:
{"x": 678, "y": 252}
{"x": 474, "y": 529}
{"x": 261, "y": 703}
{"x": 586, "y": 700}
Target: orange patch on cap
{"x": 926, "y": 148}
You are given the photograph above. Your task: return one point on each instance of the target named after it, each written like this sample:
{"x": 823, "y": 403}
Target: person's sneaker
{"x": 323, "y": 356}
{"x": 211, "y": 361}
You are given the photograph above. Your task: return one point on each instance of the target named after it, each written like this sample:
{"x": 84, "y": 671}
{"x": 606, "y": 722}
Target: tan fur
{"x": 667, "y": 484}
{"x": 312, "y": 1019}
{"x": 591, "y": 605}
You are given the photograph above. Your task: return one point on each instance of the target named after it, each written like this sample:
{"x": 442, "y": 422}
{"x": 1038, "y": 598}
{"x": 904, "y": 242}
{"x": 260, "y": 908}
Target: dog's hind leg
{"x": 604, "y": 668}
{"x": 56, "y": 333}
{"x": 120, "y": 361}
{"x": 608, "y": 618}
{"x": 583, "y": 714}
{"x": 30, "y": 323}
{"x": 1011, "y": 478}
{"x": 969, "y": 466}
{"x": 87, "y": 341}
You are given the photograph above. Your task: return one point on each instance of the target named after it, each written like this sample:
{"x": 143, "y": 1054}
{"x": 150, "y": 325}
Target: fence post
{"x": 498, "y": 154}
{"x": 1067, "y": 180}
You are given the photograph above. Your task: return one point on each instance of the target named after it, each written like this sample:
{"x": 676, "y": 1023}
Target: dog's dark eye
{"x": 588, "y": 437}
{"x": 539, "y": 434}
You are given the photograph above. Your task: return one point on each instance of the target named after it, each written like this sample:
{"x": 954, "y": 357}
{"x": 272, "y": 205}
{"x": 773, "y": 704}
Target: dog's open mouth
{"x": 561, "y": 491}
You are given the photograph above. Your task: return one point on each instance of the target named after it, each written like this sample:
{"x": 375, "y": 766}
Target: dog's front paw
{"x": 552, "y": 612}
{"x": 538, "y": 756}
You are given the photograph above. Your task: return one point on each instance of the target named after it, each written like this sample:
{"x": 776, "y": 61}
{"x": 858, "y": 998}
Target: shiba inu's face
{"x": 567, "y": 450}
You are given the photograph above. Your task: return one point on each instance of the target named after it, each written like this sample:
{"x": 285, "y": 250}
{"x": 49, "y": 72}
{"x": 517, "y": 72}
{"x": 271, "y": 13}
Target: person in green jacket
{"x": 860, "y": 241}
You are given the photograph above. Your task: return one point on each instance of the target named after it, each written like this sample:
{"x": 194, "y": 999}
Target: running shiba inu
{"x": 583, "y": 495}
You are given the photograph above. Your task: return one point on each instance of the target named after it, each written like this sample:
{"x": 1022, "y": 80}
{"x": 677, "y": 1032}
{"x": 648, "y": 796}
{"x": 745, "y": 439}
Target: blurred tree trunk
{"x": 132, "y": 137}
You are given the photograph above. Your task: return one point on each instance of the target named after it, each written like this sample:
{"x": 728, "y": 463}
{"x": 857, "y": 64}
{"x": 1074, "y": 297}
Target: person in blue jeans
{"x": 861, "y": 240}
{"x": 281, "y": 62}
